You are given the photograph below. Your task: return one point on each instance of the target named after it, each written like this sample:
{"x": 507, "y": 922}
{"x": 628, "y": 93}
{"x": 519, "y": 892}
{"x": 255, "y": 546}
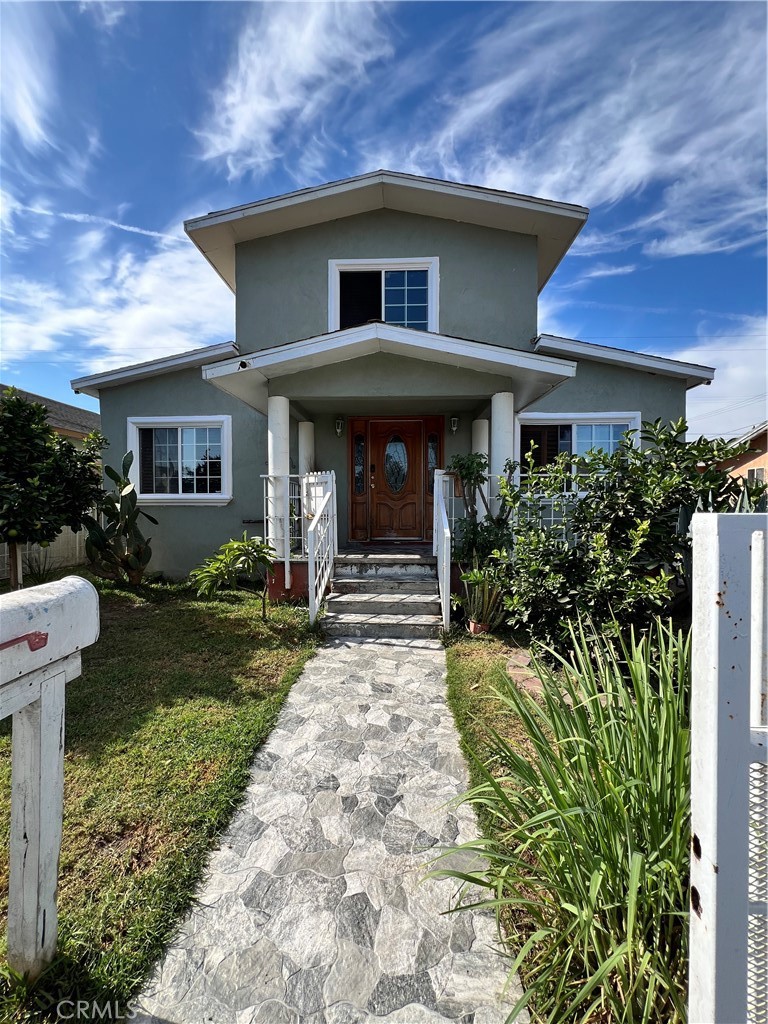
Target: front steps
{"x": 384, "y": 596}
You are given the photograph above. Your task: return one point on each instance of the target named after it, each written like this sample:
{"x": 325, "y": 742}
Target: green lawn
{"x": 174, "y": 699}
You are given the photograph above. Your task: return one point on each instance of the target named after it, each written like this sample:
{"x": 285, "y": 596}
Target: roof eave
{"x": 95, "y": 383}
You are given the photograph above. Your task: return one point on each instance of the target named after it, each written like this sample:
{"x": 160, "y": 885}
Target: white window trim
{"x": 224, "y": 422}
{"x": 429, "y": 263}
{"x": 573, "y": 419}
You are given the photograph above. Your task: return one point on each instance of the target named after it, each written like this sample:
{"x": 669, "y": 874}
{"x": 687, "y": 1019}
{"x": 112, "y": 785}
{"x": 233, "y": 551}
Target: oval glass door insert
{"x": 396, "y": 464}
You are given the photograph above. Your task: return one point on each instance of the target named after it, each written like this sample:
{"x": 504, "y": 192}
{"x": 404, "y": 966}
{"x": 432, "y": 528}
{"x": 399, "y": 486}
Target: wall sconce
{"x": 454, "y": 424}
{"x": 339, "y": 426}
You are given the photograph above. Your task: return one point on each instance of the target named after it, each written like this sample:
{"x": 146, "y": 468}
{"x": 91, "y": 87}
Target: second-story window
{"x": 400, "y": 292}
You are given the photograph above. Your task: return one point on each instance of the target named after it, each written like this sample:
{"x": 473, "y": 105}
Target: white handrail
{"x": 320, "y": 552}
{"x": 441, "y": 546}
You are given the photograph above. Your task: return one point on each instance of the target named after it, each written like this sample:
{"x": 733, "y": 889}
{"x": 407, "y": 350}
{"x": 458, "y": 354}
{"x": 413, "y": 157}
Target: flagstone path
{"x": 315, "y": 909}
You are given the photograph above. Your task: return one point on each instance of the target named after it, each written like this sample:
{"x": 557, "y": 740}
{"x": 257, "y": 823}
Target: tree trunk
{"x": 14, "y": 559}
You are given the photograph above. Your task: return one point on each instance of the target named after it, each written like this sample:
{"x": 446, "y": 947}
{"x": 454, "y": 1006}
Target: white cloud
{"x": 736, "y": 399}
{"x": 596, "y": 104}
{"x": 115, "y": 311}
{"x": 106, "y": 13}
{"x": 27, "y": 76}
{"x": 602, "y": 270}
{"x": 295, "y": 63}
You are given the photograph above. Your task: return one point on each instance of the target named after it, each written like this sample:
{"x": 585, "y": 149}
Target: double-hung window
{"x": 403, "y": 293}
{"x": 184, "y": 461}
{"x": 546, "y": 436}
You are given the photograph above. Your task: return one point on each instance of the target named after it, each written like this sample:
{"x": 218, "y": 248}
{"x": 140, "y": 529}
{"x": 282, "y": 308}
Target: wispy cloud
{"x": 736, "y": 399}
{"x": 91, "y": 218}
{"x": 114, "y": 309}
{"x": 27, "y": 75}
{"x": 294, "y": 64}
{"x": 107, "y": 13}
{"x": 602, "y": 270}
{"x": 602, "y": 103}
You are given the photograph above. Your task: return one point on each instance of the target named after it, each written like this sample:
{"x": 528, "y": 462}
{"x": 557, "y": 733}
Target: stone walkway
{"x": 315, "y": 909}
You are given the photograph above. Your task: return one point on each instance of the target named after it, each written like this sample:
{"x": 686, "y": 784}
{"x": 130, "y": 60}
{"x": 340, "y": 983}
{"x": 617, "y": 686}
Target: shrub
{"x": 484, "y": 588}
{"x": 588, "y": 852}
{"x": 477, "y": 537}
{"x": 247, "y": 562}
{"x": 118, "y": 550}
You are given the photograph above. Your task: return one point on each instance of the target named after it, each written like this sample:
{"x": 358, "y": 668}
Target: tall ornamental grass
{"x": 588, "y": 848}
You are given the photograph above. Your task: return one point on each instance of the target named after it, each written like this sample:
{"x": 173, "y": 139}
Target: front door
{"x": 391, "y": 480}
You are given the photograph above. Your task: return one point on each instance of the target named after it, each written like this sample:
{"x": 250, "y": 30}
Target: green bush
{"x": 116, "y": 548}
{"x": 484, "y": 588}
{"x": 246, "y": 562}
{"x": 588, "y": 853}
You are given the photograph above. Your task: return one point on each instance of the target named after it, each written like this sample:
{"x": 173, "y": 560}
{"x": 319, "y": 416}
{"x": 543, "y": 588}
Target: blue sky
{"x": 120, "y": 120}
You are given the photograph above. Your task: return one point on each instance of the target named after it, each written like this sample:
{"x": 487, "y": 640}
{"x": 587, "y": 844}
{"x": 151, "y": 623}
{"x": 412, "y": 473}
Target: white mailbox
{"x": 42, "y": 631}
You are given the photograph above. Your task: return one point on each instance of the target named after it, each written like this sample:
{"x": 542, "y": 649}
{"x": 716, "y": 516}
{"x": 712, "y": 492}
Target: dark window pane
{"x": 417, "y": 278}
{"x": 187, "y": 485}
{"x": 146, "y": 469}
{"x": 395, "y": 314}
{"x": 359, "y": 297}
{"x": 396, "y": 464}
{"x": 432, "y": 450}
{"x": 417, "y": 296}
{"x": 214, "y": 485}
{"x": 417, "y": 314}
{"x": 418, "y": 326}
{"x": 359, "y": 459}
{"x": 394, "y": 278}
{"x": 394, "y": 296}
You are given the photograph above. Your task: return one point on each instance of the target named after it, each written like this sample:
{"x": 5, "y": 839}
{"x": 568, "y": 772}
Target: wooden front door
{"x": 391, "y": 477}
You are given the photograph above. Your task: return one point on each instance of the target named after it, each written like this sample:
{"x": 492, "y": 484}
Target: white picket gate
{"x": 729, "y": 774}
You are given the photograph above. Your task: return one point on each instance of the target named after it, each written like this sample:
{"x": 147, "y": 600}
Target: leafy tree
{"x": 46, "y": 482}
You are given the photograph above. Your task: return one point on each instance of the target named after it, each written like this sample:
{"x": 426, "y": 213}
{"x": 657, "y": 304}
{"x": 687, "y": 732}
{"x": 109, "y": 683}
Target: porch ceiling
{"x": 254, "y": 376}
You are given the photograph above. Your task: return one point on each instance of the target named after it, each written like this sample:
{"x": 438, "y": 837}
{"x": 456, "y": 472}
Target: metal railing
{"x": 442, "y": 542}
{"x": 321, "y": 548}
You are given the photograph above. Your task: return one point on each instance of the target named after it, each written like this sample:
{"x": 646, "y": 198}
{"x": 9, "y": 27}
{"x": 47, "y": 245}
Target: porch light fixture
{"x": 454, "y": 424}
{"x": 339, "y": 426}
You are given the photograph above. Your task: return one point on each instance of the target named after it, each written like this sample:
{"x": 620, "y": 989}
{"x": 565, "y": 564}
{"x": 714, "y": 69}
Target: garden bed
{"x": 161, "y": 728}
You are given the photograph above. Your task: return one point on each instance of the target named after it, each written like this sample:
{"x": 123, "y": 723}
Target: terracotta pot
{"x": 477, "y": 627}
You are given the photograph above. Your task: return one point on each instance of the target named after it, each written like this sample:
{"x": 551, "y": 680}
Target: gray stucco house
{"x": 384, "y": 323}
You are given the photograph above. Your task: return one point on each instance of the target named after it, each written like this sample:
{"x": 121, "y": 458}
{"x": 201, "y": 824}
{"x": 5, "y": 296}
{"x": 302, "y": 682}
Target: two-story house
{"x": 383, "y": 323}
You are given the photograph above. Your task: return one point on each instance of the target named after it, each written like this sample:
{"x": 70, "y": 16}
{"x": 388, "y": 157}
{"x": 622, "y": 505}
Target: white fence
{"x": 67, "y": 549}
{"x": 290, "y": 505}
{"x": 729, "y": 774}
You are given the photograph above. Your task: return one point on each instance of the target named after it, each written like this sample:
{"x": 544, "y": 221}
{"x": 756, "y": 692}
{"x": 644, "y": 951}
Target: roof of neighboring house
{"x": 692, "y": 373}
{"x": 554, "y": 224}
{"x": 96, "y": 382}
{"x": 756, "y": 431}
{"x": 67, "y": 419}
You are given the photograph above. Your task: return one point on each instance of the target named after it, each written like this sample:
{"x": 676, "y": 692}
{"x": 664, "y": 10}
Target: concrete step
{"x": 383, "y": 585}
{"x": 394, "y": 627}
{"x": 379, "y": 603}
{"x": 416, "y": 567}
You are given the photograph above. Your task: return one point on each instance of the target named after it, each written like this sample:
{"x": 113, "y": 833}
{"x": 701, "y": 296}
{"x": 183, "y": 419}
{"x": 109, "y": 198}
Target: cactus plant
{"x": 116, "y": 548}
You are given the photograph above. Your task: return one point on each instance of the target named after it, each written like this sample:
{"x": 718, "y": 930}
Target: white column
{"x": 278, "y": 467}
{"x": 480, "y": 442}
{"x": 502, "y": 436}
{"x": 306, "y": 447}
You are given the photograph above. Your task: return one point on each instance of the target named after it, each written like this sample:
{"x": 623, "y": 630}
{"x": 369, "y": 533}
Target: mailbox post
{"x": 42, "y": 631}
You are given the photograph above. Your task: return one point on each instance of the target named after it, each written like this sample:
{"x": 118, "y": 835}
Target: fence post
{"x": 723, "y": 759}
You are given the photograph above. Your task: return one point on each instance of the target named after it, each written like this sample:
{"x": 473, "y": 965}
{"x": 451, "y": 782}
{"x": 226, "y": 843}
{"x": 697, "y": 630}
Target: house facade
{"x": 383, "y": 324}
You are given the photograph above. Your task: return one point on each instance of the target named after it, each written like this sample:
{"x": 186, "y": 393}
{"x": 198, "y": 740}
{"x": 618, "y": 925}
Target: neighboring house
{"x": 75, "y": 424}
{"x": 753, "y": 464}
{"x": 384, "y": 323}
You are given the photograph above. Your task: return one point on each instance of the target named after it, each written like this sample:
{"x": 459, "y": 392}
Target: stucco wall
{"x": 185, "y": 535}
{"x": 601, "y": 388}
{"x": 487, "y": 277}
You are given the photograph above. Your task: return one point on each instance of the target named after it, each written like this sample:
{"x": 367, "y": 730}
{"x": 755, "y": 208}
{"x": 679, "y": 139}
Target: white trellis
{"x": 729, "y": 774}
{"x": 42, "y": 631}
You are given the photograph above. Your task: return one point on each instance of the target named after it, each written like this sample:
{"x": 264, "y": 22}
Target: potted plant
{"x": 484, "y": 589}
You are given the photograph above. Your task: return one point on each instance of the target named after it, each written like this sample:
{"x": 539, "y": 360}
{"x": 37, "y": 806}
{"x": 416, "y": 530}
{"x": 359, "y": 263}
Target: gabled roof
{"x": 247, "y": 376}
{"x": 64, "y": 418}
{"x": 97, "y": 382}
{"x": 692, "y": 373}
{"x": 554, "y": 224}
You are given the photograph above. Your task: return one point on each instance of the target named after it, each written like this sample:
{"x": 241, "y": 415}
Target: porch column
{"x": 502, "y": 438}
{"x": 278, "y": 467}
{"x": 480, "y": 443}
{"x": 306, "y": 447}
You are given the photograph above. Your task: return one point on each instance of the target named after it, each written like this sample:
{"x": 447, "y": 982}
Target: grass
{"x": 584, "y": 804}
{"x": 174, "y": 699}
